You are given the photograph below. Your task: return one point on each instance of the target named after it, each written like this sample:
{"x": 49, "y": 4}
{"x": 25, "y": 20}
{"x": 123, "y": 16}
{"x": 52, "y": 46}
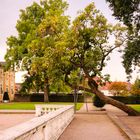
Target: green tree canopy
{"x": 88, "y": 45}
{"x": 136, "y": 87}
{"x": 41, "y": 28}
{"x": 128, "y": 11}
{"x": 56, "y": 50}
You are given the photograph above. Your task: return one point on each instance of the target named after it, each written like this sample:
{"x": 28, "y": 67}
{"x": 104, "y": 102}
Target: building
{"x": 105, "y": 89}
{"x": 7, "y": 84}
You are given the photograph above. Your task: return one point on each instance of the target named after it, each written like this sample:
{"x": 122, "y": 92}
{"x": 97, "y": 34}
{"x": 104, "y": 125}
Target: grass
{"x": 136, "y": 107}
{"x": 31, "y": 105}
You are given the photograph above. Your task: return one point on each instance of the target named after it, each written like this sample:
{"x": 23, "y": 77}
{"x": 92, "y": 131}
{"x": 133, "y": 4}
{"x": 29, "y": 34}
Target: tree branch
{"x": 77, "y": 87}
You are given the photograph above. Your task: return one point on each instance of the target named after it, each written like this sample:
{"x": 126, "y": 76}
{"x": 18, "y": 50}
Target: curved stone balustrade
{"x": 46, "y": 127}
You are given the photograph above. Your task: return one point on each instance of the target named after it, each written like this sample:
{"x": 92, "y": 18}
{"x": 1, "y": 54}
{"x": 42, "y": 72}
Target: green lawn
{"x": 136, "y": 107}
{"x": 30, "y": 105}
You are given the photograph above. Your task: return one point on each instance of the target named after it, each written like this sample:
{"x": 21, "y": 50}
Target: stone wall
{"x": 46, "y": 127}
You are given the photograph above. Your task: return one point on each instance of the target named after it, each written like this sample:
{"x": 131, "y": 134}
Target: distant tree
{"x": 32, "y": 83}
{"x": 118, "y": 88}
{"x": 60, "y": 86}
{"x": 128, "y": 11}
{"x": 136, "y": 87}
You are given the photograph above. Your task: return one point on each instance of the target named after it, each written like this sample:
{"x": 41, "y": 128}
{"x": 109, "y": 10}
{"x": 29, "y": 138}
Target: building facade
{"x": 7, "y": 84}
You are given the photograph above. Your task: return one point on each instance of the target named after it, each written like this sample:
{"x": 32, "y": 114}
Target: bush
{"x": 39, "y": 97}
{"x": 127, "y": 99}
{"x": 98, "y": 102}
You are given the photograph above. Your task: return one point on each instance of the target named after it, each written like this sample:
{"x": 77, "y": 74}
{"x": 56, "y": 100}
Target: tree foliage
{"x": 40, "y": 29}
{"x": 55, "y": 50}
{"x": 88, "y": 43}
{"x": 89, "y": 49}
{"x": 128, "y": 11}
{"x": 119, "y": 88}
{"x": 136, "y": 87}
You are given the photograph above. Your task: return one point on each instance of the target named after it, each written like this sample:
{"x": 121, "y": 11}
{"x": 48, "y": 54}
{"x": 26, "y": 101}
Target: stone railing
{"x": 46, "y": 127}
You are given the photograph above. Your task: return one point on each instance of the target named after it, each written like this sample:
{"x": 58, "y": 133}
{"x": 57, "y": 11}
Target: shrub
{"x": 127, "y": 99}
{"x": 39, "y": 97}
{"x": 98, "y": 102}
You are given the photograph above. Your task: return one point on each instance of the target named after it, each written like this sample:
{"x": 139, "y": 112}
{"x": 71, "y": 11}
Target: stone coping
{"x": 113, "y": 113}
{"x": 123, "y": 127}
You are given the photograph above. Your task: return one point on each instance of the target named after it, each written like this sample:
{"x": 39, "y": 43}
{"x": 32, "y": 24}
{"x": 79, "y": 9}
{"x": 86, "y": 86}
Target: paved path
{"x": 129, "y": 124}
{"x": 92, "y": 126}
{"x": 9, "y": 120}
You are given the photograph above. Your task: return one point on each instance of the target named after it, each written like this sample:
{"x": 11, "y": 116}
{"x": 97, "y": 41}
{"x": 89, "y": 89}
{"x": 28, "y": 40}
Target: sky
{"x": 9, "y": 14}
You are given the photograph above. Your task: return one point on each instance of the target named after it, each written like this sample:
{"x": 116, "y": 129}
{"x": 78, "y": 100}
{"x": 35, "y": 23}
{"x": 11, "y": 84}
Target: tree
{"x": 32, "y": 83}
{"x": 136, "y": 87}
{"x": 59, "y": 86}
{"x": 53, "y": 50}
{"x": 128, "y": 12}
{"x": 40, "y": 29}
{"x": 118, "y": 88}
{"x": 88, "y": 50}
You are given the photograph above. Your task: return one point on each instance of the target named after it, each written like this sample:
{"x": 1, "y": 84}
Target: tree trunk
{"x": 130, "y": 111}
{"x": 46, "y": 90}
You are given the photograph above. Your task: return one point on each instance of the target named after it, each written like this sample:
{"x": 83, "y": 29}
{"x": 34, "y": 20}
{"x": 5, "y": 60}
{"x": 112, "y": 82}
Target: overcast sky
{"x": 9, "y": 14}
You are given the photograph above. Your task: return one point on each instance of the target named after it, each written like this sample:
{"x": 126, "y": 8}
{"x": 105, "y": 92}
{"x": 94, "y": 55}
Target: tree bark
{"x": 46, "y": 90}
{"x": 130, "y": 111}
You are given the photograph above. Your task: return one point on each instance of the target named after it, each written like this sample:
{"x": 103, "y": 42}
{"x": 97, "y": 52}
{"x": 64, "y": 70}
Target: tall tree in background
{"x": 89, "y": 48}
{"x": 40, "y": 30}
{"x": 128, "y": 11}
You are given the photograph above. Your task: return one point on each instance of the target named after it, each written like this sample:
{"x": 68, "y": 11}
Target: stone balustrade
{"x": 46, "y": 127}
{"x": 45, "y": 109}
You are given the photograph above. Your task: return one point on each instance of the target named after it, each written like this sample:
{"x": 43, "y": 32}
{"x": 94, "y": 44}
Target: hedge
{"x": 37, "y": 97}
{"x": 127, "y": 99}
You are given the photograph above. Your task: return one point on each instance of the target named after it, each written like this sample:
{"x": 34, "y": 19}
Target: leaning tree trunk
{"x": 130, "y": 111}
{"x": 46, "y": 90}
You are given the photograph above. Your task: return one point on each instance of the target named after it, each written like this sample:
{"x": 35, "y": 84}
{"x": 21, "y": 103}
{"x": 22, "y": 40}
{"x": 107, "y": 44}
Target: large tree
{"x": 88, "y": 48}
{"x": 128, "y": 11}
{"x": 40, "y": 29}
